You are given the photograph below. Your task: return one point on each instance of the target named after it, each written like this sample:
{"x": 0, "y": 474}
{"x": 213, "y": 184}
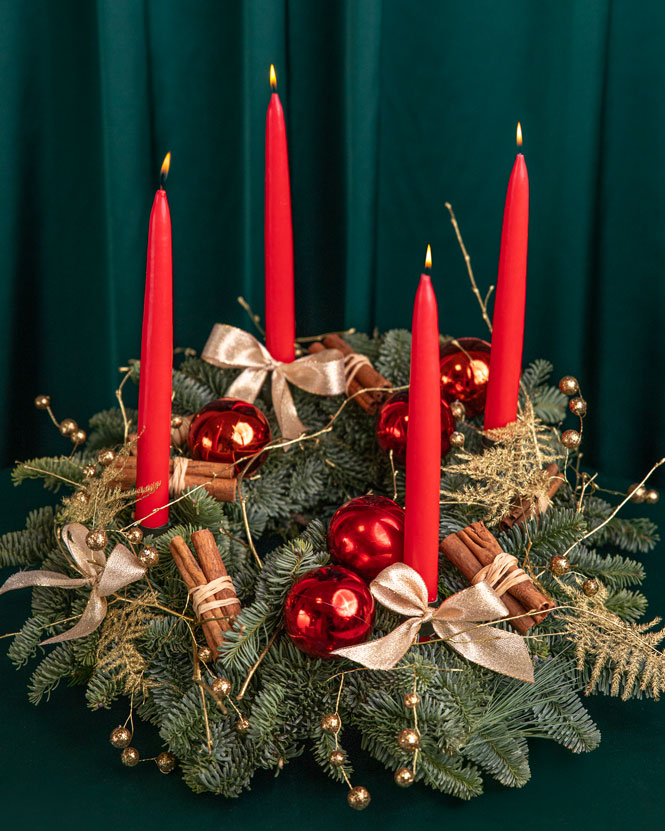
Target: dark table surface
{"x": 58, "y": 769}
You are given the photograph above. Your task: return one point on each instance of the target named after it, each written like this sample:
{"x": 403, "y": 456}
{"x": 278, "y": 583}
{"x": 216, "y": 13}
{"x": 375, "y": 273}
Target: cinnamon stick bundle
{"x": 209, "y": 567}
{"x": 524, "y": 508}
{"x": 366, "y": 375}
{"x": 459, "y": 554}
{"x": 198, "y": 472}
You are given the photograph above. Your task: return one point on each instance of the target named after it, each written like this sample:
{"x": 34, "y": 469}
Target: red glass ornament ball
{"x": 392, "y": 424}
{"x": 367, "y": 535}
{"x": 328, "y": 608}
{"x": 464, "y": 373}
{"x": 227, "y": 430}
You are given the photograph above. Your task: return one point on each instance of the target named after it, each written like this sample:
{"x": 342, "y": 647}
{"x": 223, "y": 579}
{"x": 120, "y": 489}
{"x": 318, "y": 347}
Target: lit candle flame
{"x": 166, "y": 164}
{"x": 428, "y": 257}
{"x": 519, "y": 134}
{"x": 273, "y": 77}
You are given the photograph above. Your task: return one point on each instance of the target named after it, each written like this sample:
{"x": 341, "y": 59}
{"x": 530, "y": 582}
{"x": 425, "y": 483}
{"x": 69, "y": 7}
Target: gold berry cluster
{"x": 67, "y": 427}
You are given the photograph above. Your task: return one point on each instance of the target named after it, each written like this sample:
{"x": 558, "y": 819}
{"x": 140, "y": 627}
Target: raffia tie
{"x": 499, "y": 574}
{"x": 177, "y": 480}
{"x": 103, "y": 576}
{"x": 200, "y": 595}
{"x": 460, "y": 621}
{"x": 320, "y": 373}
{"x": 353, "y": 363}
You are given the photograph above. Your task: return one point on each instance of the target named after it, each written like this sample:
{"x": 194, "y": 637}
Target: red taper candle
{"x": 423, "y": 444}
{"x": 280, "y": 312}
{"x": 508, "y": 323}
{"x": 154, "y": 421}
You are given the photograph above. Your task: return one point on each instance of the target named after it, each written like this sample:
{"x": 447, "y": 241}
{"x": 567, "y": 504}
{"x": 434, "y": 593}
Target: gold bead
{"x": 80, "y": 497}
{"x": 130, "y": 757}
{"x": 638, "y": 493}
{"x": 205, "y": 654}
{"x": 96, "y": 539}
{"x": 411, "y": 700}
{"x": 458, "y": 410}
{"x": 106, "y": 457}
{"x": 408, "y": 739}
{"x": 120, "y": 737}
{"x": 134, "y": 535}
{"x": 577, "y": 406}
{"x": 221, "y": 686}
{"x": 176, "y": 421}
{"x": 242, "y": 725}
{"x": 337, "y": 758}
{"x": 457, "y": 439}
{"x": 148, "y": 556}
{"x": 559, "y": 565}
{"x": 590, "y": 587}
{"x": 89, "y": 471}
{"x": 42, "y": 402}
{"x": 652, "y": 497}
{"x": 358, "y": 798}
{"x": 568, "y": 385}
{"x": 404, "y": 777}
{"x": 68, "y": 426}
{"x": 331, "y": 723}
{"x": 165, "y": 761}
{"x": 571, "y": 439}
{"x": 78, "y": 436}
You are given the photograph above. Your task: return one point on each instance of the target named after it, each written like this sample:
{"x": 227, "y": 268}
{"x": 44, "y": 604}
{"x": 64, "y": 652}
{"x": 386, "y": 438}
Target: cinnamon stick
{"x": 222, "y": 487}
{"x": 463, "y": 558}
{"x": 193, "y": 576}
{"x": 485, "y": 548}
{"x": 524, "y": 508}
{"x": 213, "y": 567}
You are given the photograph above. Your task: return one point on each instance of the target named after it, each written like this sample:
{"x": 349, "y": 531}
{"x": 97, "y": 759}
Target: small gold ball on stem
{"x": 130, "y": 757}
{"x": 457, "y": 439}
{"x": 176, "y": 421}
{"x": 106, "y": 457}
{"x": 96, "y": 539}
{"x": 404, "y": 777}
{"x": 571, "y": 439}
{"x": 120, "y": 737}
{"x": 134, "y": 535}
{"x": 242, "y": 725}
{"x": 78, "y": 436}
{"x": 221, "y": 686}
{"x": 80, "y": 497}
{"x": 568, "y": 385}
{"x": 358, "y": 798}
{"x": 590, "y": 587}
{"x": 68, "y": 426}
{"x": 411, "y": 700}
{"x": 559, "y": 565}
{"x": 89, "y": 471}
{"x": 148, "y": 556}
{"x": 204, "y": 654}
{"x": 331, "y": 723}
{"x": 165, "y": 761}
{"x": 638, "y": 493}
{"x": 577, "y": 406}
{"x": 337, "y": 758}
{"x": 42, "y": 402}
{"x": 458, "y": 410}
{"x": 408, "y": 739}
{"x": 652, "y": 496}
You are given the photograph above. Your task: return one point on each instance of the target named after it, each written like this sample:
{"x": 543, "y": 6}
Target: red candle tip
{"x": 273, "y": 77}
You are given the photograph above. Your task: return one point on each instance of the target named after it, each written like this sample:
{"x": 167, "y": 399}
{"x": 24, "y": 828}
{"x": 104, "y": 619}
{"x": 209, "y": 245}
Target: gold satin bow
{"x": 402, "y": 589}
{"x": 103, "y": 576}
{"x": 321, "y": 373}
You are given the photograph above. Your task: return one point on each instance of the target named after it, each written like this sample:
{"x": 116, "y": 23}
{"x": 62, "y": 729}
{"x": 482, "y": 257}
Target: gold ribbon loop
{"x": 401, "y": 589}
{"x": 321, "y": 373}
{"x": 103, "y": 576}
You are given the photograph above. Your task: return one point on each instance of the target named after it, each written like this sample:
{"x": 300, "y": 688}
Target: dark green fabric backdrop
{"x": 393, "y": 107}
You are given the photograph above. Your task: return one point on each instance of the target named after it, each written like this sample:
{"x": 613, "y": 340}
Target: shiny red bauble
{"x": 227, "y": 430}
{"x": 328, "y": 608}
{"x": 464, "y": 373}
{"x": 392, "y": 424}
{"x": 367, "y": 535}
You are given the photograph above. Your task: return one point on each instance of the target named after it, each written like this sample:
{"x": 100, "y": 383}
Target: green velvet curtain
{"x": 393, "y": 107}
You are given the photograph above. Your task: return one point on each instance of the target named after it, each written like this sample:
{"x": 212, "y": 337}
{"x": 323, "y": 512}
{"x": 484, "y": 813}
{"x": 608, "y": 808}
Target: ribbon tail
{"x": 25, "y": 579}
{"x": 93, "y": 614}
{"x": 495, "y": 649}
{"x": 247, "y": 385}
{"x": 385, "y": 652}
{"x": 289, "y": 424}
